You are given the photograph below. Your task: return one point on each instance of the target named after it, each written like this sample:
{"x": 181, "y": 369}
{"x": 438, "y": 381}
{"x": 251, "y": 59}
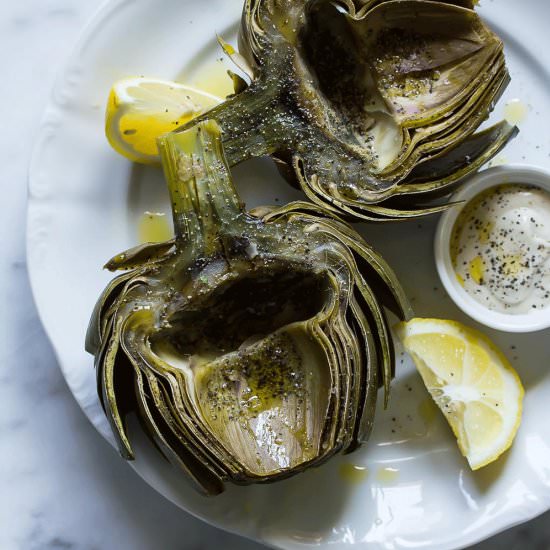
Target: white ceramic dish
{"x": 85, "y": 202}
{"x": 531, "y": 322}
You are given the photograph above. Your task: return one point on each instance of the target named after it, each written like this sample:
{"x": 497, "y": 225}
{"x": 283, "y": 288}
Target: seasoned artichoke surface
{"x": 249, "y": 376}
{"x": 354, "y": 98}
{"x": 265, "y": 401}
{"x": 251, "y": 346}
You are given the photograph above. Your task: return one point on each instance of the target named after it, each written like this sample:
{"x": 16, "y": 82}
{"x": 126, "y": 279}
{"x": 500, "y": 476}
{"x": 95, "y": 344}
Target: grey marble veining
{"x": 62, "y": 486}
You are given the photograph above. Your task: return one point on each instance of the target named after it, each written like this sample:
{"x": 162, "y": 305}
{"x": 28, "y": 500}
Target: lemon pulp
{"x": 139, "y": 110}
{"x": 472, "y": 383}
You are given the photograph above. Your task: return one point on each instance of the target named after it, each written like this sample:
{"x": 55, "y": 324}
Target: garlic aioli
{"x": 500, "y": 248}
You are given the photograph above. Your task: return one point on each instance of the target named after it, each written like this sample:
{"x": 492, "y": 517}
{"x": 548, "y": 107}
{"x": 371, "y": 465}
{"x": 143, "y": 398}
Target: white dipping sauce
{"x": 500, "y": 247}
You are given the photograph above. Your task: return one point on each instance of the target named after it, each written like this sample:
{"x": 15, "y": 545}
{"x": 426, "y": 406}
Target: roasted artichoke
{"x": 370, "y": 106}
{"x": 252, "y": 345}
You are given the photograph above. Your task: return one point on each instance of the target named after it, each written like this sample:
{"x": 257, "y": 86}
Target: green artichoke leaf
{"x": 143, "y": 253}
{"x": 349, "y": 97}
{"x": 252, "y": 345}
{"x": 448, "y": 167}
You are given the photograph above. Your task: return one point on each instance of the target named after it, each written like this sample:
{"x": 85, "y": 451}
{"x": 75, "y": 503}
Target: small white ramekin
{"x": 516, "y": 173}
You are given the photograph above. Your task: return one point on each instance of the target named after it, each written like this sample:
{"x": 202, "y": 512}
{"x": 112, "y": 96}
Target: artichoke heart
{"x": 369, "y": 106}
{"x": 253, "y": 344}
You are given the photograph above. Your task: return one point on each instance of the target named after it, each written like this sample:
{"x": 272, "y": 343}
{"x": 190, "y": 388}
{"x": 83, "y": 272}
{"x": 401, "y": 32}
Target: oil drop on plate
{"x": 515, "y": 111}
{"x": 387, "y": 475}
{"x": 352, "y": 473}
{"x": 213, "y": 78}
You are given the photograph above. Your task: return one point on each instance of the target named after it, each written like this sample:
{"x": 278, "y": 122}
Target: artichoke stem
{"x": 251, "y": 122}
{"x": 202, "y": 194}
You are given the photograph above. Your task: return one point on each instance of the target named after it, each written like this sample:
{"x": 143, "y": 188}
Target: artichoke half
{"x": 370, "y": 106}
{"x": 252, "y": 345}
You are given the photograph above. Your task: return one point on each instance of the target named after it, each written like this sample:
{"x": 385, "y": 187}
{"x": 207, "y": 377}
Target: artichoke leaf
{"x": 448, "y": 167}
{"x": 196, "y": 474}
{"x": 379, "y": 272}
{"x": 99, "y": 319}
{"x": 354, "y": 209}
{"x": 451, "y": 130}
{"x": 137, "y": 256}
{"x": 426, "y": 57}
{"x": 364, "y": 421}
{"x": 160, "y": 376}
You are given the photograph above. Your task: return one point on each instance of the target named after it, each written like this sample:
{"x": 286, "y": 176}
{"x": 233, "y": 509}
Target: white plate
{"x": 84, "y": 205}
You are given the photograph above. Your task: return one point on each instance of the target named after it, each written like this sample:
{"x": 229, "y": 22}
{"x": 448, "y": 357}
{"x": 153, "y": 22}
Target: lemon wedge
{"x": 472, "y": 383}
{"x": 139, "y": 110}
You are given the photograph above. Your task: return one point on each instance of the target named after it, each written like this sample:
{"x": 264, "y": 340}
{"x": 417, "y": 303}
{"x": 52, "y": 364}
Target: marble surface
{"x": 62, "y": 485}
